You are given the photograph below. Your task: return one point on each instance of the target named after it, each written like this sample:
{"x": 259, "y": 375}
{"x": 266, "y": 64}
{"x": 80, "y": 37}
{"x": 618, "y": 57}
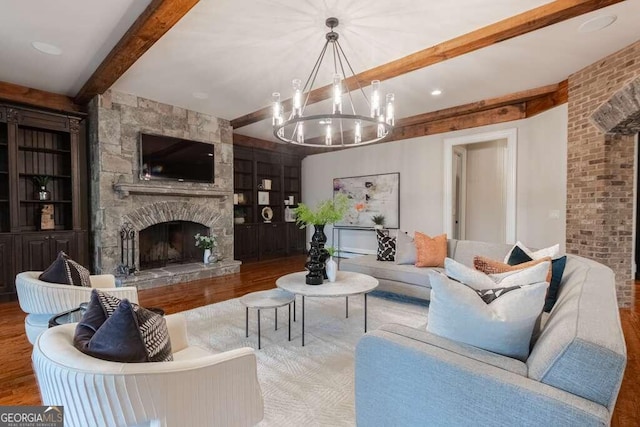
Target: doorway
{"x": 480, "y": 173}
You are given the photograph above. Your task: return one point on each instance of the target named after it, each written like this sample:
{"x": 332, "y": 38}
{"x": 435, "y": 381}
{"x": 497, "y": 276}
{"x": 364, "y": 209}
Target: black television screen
{"x": 165, "y": 157}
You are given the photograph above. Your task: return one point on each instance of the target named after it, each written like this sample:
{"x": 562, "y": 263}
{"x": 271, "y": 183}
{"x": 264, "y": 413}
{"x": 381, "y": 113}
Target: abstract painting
{"x": 370, "y": 195}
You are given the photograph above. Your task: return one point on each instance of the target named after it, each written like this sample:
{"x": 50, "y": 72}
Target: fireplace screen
{"x": 170, "y": 243}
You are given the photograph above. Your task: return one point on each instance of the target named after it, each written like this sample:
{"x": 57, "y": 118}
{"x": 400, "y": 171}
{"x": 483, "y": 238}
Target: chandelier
{"x": 342, "y": 126}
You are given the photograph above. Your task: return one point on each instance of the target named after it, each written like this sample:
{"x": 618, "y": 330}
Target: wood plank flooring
{"x": 18, "y": 386}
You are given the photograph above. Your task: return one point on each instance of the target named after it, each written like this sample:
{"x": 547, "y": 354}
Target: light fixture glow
{"x": 436, "y": 92}
{"x": 47, "y": 48}
{"x": 341, "y": 126}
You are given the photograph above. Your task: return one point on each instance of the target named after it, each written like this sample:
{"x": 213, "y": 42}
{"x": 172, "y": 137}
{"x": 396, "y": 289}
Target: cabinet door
{"x": 273, "y": 240}
{"x": 296, "y": 239}
{"x": 245, "y": 242}
{"x": 36, "y": 253}
{"x": 64, "y": 242}
{"x": 6, "y": 264}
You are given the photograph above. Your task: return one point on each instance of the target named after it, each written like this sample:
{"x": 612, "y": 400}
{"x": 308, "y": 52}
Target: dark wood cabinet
{"x": 6, "y": 264}
{"x": 273, "y": 240}
{"x": 245, "y": 242}
{"x": 36, "y": 144}
{"x": 39, "y": 250}
{"x": 266, "y": 180}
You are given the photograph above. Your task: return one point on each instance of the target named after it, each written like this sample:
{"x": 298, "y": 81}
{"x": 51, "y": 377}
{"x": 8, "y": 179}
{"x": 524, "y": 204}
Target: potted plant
{"x": 378, "y": 222}
{"x": 239, "y": 215}
{"x": 207, "y": 243}
{"x": 326, "y": 212}
{"x": 331, "y": 266}
{"x": 41, "y": 182}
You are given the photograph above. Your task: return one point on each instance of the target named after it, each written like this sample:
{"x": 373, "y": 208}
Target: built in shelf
{"x": 173, "y": 189}
{"x": 44, "y": 150}
{"x": 45, "y": 201}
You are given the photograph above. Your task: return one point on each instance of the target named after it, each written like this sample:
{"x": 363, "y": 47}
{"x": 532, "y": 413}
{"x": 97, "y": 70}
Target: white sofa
{"x": 42, "y": 300}
{"x": 196, "y": 389}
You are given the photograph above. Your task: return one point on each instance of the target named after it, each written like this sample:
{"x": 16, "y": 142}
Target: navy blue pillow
{"x": 518, "y": 256}
{"x": 119, "y": 331}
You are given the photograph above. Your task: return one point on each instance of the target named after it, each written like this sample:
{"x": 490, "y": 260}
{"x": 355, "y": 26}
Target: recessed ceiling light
{"x": 47, "y": 48}
{"x": 200, "y": 95}
{"x": 597, "y": 23}
{"x": 436, "y": 92}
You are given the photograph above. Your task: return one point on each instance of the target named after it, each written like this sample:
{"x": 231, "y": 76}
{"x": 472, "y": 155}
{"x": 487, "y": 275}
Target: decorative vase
{"x": 207, "y": 254}
{"x": 378, "y": 226}
{"x": 320, "y": 239}
{"x": 44, "y": 194}
{"x": 332, "y": 269}
{"x": 315, "y": 266}
{"x": 213, "y": 258}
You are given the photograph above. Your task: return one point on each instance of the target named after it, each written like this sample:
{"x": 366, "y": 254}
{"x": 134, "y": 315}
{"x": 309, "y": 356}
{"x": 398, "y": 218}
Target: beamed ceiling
{"x": 238, "y": 52}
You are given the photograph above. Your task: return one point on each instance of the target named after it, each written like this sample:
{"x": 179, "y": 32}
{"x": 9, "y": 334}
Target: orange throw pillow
{"x": 490, "y": 266}
{"x": 430, "y": 252}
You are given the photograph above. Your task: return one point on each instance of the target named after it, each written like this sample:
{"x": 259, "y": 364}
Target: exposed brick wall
{"x": 600, "y": 170}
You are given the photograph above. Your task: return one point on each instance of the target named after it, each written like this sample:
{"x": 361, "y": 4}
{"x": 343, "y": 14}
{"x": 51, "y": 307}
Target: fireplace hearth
{"x": 170, "y": 243}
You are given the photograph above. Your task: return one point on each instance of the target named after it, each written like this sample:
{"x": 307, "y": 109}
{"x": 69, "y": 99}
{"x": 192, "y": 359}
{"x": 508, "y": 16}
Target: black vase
{"x": 320, "y": 238}
{"x": 315, "y": 266}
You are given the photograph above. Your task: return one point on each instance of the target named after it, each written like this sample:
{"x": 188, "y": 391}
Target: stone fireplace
{"x": 164, "y": 214}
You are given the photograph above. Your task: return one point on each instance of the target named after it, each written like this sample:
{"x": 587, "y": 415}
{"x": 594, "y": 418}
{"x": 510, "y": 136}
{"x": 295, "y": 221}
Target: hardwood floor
{"x": 18, "y": 386}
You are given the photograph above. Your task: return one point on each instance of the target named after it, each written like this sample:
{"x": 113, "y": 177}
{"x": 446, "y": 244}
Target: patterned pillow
{"x": 120, "y": 331}
{"x": 489, "y": 266}
{"x": 386, "y": 247}
{"x": 490, "y": 295}
{"x": 66, "y": 271}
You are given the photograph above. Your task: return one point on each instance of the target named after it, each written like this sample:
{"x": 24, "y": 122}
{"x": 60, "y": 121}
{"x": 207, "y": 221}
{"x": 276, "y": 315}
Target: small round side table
{"x": 272, "y": 298}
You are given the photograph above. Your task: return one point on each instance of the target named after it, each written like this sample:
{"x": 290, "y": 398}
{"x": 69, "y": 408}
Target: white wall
{"x": 541, "y": 179}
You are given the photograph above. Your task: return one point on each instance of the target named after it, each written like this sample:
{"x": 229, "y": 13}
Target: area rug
{"x": 303, "y": 386}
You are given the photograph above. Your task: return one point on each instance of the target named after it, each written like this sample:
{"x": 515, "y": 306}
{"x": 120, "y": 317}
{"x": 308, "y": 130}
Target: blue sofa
{"x": 409, "y": 377}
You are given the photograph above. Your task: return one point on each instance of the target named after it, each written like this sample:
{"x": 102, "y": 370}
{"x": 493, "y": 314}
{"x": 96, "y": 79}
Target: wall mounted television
{"x": 169, "y": 158}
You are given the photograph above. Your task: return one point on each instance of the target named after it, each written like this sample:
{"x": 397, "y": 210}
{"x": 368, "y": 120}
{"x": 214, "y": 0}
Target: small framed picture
{"x": 263, "y": 197}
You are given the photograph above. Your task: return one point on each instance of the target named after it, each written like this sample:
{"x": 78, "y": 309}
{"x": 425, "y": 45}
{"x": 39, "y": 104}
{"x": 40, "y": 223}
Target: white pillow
{"x": 552, "y": 251}
{"x": 479, "y": 280}
{"x": 504, "y": 326}
{"x": 405, "y": 249}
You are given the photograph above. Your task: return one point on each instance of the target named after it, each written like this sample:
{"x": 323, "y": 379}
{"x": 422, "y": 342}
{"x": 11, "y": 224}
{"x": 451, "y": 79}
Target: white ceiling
{"x": 85, "y": 30}
{"x": 240, "y": 51}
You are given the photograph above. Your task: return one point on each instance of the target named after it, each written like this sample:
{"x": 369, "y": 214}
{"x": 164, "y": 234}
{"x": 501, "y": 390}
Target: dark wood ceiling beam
{"x": 158, "y": 18}
{"x": 526, "y": 22}
{"x": 37, "y": 98}
{"x": 543, "y": 103}
{"x": 251, "y": 142}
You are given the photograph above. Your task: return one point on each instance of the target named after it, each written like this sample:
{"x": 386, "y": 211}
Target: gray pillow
{"x": 405, "y": 249}
{"x": 504, "y": 326}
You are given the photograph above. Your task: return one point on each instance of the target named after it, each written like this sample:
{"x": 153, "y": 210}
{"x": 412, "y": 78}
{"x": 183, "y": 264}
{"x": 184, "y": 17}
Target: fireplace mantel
{"x": 173, "y": 189}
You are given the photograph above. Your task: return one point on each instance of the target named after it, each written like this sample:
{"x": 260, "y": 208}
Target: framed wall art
{"x": 369, "y": 196}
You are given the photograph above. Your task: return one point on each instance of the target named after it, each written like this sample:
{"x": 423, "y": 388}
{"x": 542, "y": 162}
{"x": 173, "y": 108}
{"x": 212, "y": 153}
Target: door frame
{"x": 511, "y": 135}
{"x": 462, "y": 197}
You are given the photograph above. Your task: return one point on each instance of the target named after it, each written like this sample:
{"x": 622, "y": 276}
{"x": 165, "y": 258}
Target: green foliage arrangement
{"x": 378, "y": 219}
{"x": 41, "y": 180}
{"x": 205, "y": 242}
{"x": 326, "y": 212}
{"x": 331, "y": 250}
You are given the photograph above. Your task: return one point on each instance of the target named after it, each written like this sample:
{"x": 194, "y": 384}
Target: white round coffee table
{"x": 272, "y": 298}
{"x": 347, "y": 284}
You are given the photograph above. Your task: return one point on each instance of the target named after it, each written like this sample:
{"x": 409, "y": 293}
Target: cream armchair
{"x": 42, "y": 300}
{"x": 196, "y": 389}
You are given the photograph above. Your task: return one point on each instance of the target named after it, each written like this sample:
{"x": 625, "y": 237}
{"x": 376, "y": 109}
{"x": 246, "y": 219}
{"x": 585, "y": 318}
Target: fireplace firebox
{"x": 170, "y": 243}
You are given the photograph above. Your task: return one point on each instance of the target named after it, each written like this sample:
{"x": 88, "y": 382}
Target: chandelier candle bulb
{"x": 300, "y": 132}
{"x": 375, "y": 98}
{"x": 337, "y": 94}
{"x": 297, "y": 98}
{"x": 327, "y": 137}
{"x": 389, "y": 109}
{"x": 381, "y": 128}
{"x": 277, "y": 109}
{"x": 357, "y": 136}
